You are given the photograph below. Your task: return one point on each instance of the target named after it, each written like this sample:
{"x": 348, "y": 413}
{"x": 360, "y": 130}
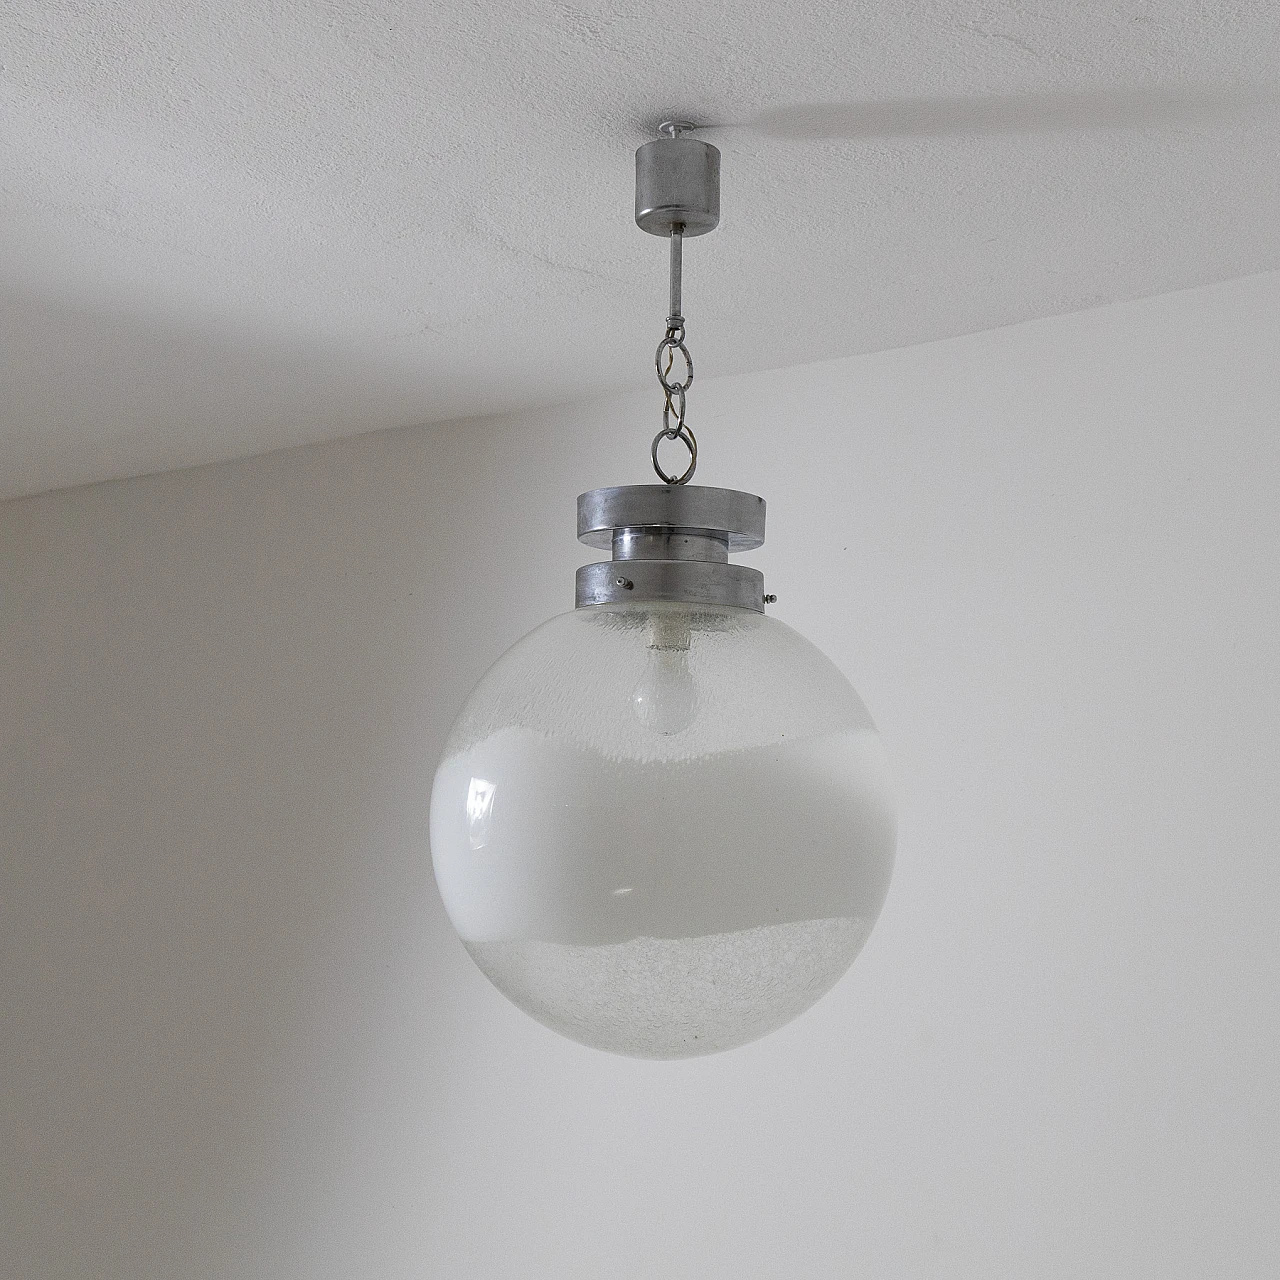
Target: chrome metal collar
{"x": 671, "y": 542}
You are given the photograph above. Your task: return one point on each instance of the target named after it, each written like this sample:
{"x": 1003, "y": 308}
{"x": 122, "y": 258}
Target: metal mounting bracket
{"x": 677, "y": 183}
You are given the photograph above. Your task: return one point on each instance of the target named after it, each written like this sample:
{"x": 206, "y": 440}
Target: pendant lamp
{"x": 663, "y": 823}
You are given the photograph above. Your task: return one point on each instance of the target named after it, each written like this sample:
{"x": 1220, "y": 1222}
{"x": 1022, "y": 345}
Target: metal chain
{"x": 674, "y": 405}
{"x": 674, "y": 392}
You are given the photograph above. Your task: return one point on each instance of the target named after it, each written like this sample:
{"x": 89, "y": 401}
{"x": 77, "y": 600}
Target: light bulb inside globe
{"x": 666, "y": 699}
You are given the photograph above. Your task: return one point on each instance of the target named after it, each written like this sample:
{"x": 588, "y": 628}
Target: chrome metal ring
{"x": 667, "y": 409}
{"x": 739, "y": 516}
{"x": 690, "y": 582}
{"x": 671, "y": 346}
{"x": 690, "y": 443}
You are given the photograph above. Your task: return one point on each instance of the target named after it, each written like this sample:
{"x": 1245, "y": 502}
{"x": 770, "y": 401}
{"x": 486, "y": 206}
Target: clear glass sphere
{"x": 663, "y": 830}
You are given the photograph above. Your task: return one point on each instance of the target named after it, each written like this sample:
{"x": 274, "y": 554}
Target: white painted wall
{"x": 240, "y": 1040}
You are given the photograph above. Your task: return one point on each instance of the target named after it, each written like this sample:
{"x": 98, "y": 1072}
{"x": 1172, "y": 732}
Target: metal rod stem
{"x": 677, "y": 266}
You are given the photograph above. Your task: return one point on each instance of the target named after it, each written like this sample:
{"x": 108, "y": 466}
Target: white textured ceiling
{"x": 230, "y": 226}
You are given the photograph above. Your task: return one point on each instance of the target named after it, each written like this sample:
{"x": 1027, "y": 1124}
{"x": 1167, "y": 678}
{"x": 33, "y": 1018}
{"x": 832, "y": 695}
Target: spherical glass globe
{"x": 663, "y": 830}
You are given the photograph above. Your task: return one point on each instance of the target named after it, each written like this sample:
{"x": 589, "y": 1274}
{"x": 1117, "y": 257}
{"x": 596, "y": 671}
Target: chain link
{"x": 674, "y": 405}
